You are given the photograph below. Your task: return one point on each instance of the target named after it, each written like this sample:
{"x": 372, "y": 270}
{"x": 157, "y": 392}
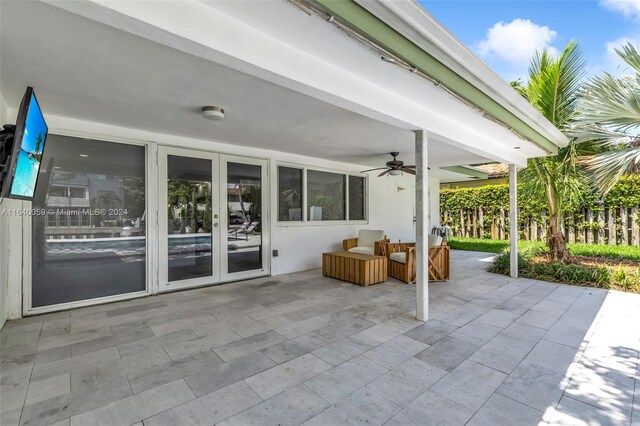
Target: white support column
{"x": 422, "y": 225}
{"x": 513, "y": 219}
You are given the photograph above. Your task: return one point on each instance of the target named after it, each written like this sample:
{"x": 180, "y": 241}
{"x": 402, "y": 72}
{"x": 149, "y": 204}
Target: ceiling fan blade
{"x": 384, "y": 173}
{"x": 373, "y": 170}
{"x": 411, "y": 167}
{"x": 410, "y": 171}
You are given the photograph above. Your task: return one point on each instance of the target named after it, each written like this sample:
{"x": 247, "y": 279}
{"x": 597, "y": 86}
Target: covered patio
{"x": 300, "y": 348}
{"x": 314, "y": 94}
{"x": 320, "y": 91}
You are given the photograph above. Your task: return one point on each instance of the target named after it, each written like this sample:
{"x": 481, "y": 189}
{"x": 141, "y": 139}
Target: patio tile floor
{"x": 301, "y": 348}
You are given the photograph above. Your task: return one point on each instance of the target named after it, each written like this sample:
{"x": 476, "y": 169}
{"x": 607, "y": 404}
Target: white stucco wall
{"x": 10, "y": 245}
{"x": 391, "y": 206}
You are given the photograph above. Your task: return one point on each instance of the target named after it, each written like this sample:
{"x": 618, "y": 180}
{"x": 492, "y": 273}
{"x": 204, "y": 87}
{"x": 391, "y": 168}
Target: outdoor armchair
{"x": 369, "y": 241}
{"x": 402, "y": 260}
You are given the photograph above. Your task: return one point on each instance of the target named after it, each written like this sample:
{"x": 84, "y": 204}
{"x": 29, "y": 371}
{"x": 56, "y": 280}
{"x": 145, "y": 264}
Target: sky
{"x": 506, "y": 33}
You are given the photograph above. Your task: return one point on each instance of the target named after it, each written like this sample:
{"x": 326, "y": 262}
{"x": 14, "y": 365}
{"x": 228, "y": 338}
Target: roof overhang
{"x": 298, "y": 64}
{"x": 407, "y": 29}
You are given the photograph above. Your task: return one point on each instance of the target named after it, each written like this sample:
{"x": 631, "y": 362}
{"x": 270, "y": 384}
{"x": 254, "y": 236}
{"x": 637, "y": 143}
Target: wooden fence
{"x": 614, "y": 226}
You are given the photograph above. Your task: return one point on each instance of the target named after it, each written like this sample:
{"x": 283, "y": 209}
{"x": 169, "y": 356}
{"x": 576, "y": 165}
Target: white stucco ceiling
{"x": 87, "y": 70}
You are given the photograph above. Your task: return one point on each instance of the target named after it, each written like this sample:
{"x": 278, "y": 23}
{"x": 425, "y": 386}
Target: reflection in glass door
{"x": 246, "y": 221}
{"x": 189, "y": 217}
{"x": 189, "y": 221}
{"x": 91, "y": 240}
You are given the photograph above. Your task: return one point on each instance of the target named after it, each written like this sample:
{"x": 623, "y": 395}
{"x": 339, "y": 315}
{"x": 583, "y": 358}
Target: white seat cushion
{"x": 399, "y": 257}
{"x": 361, "y": 250}
{"x": 367, "y": 237}
{"x": 434, "y": 240}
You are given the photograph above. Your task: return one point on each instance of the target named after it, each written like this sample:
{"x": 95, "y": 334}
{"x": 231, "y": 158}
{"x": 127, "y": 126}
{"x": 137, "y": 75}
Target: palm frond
{"x": 610, "y": 115}
{"x": 611, "y": 102}
{"x": 608, "y": 167}
{"x": 554, "y": 84}
{"x": 585, "y": 133}
{"x": 630, "y": 55}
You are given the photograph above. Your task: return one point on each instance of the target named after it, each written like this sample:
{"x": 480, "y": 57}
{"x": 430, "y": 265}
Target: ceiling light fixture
{"x": 84, "y": 155}
{"x": 395, "y": 172}
{"x": 213, "y": 113}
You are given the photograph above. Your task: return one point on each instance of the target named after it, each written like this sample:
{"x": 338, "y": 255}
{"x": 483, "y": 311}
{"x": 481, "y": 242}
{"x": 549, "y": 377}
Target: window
{"x": 77, "y": 192}
{"x": 356, "y": 198}
{"x": 58, "y": 191}
{"x": 73, "y": 217}
{"x": 326, "y": 196}
{"x": 289, "y": 194}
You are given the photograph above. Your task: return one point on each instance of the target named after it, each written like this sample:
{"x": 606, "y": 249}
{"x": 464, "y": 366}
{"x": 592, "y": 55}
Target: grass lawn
{"x": 576, "y": 249}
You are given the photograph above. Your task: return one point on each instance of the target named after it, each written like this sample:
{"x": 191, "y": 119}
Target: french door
{"x": 244, "y": 252}
{"x": 210, "y": 218}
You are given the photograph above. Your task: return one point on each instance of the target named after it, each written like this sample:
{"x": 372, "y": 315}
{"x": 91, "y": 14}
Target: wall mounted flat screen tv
{"x": 28, "y": 147}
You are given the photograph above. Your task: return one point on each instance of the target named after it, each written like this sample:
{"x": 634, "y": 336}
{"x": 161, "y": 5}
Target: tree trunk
{"x": 557, "y": 243}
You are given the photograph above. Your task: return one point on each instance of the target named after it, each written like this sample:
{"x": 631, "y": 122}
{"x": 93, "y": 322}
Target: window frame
{"x": 303, "y": 185}
{"x": 305, "y": 193}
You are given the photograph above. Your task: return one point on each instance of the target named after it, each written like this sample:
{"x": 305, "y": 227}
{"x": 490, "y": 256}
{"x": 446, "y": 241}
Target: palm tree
{"x": 610, "y": 116}
{"x": 553, "y": 88}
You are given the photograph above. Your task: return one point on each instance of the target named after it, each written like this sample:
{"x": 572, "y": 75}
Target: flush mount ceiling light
{"x": 213, "y": 113}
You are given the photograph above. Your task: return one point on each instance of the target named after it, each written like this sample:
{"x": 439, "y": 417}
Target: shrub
{"x": 626, "y": 280}
{"x": 583, "y": 275}
{"x": 596, "y": 276}
{"x": 502, "y": 264}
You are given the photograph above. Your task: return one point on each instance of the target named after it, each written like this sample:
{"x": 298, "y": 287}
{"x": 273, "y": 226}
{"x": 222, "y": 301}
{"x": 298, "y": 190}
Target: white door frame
{"x": 163, "y": 235}
{"x": 151, "y": 226}
{"x": 155, "y": 188}
{"x": 224, "y": 219}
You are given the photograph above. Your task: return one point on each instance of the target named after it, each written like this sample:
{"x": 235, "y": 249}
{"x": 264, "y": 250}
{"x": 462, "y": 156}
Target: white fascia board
{"x": 205, "y": 32}
{"x": 417, "y": 25}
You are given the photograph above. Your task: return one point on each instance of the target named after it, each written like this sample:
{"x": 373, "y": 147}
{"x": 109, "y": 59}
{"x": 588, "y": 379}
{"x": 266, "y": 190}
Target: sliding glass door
{"x": 88, "y": 230}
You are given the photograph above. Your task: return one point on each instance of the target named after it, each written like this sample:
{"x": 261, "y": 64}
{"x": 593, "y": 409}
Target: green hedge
{"x": 495, "y": 197}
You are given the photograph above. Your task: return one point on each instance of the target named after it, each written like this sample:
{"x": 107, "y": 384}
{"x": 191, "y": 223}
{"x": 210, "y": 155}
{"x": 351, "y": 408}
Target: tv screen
{"x": 28, "y": 146}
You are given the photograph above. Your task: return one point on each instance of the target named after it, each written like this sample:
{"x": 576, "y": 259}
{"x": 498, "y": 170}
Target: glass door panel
{"x": 91, "y": 241}
{"x": 188, "y": 219}
{"x": 246, "y": 221}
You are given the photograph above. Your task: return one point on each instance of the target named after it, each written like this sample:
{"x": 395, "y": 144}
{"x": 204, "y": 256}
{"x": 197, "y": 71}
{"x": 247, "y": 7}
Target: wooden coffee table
{"x": 362, "y": 269}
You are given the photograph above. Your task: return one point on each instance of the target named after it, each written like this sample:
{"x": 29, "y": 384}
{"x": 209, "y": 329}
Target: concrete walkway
{"x": 301, "y": 348}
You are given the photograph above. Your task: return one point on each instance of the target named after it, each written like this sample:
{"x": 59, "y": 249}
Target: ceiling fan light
{"x": 395, "y": 172}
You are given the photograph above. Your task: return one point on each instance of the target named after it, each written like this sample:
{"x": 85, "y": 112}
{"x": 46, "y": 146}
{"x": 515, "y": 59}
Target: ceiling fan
{"x": 394, "y": 167}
